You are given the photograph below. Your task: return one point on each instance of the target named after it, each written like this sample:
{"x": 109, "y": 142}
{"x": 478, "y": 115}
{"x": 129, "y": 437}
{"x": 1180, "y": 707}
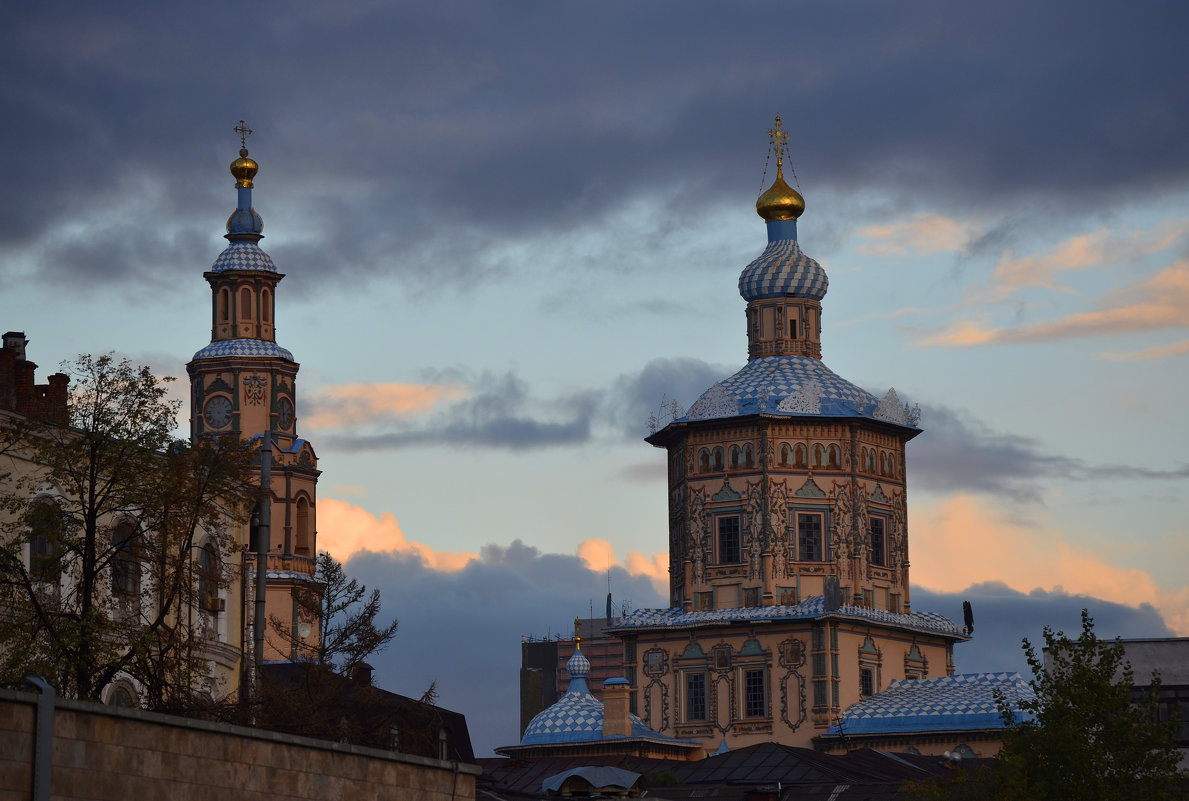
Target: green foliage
{"x": 1085, "y": 736}
{"x": 112, "y": 510}
{"x": 1088, "y": 738}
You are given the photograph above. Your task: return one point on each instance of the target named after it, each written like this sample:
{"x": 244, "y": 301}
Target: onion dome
{"x": 245, "y": 223}
{"x": 780, "y": 201}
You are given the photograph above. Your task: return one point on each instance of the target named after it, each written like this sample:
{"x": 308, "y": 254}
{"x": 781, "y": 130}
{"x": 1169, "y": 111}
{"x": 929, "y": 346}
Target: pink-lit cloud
{"x": 1148, "y": 354}
{"x": 923, "y": 233}
{"x": 345, "y": 529}
{"x": 1158, "y": 302}
{"x": 599, "y": 556}
{"x": 360, "y": 403}
{"x": 962, "y": 541}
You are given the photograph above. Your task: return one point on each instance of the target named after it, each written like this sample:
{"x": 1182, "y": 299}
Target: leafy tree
{"x": 347, "y": 613}
{"x": 112, "y": 512}
{"x": 1085, "y": 735}
{"x": 1088, "y": 737}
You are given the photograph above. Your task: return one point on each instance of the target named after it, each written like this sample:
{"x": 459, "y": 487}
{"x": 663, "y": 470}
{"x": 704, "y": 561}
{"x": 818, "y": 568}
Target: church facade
{"x": 788, "y": 531}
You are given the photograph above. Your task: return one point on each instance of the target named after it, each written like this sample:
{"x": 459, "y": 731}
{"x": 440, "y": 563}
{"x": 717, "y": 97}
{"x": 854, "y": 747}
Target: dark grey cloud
{"x": 464, "y": 629}
{"x": 653, "y": 391}
{"x": 390, "y": 132}
{"x": 957, "y": 452}
{"x": 1003, "y": 617}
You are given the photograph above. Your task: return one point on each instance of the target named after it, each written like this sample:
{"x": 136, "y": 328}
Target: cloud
{"x": 959, "y": 453}
{"x": 1003, "y": 617}
{"x": 345, "y": 530}
{"x": 458, "y": 125}
{"x": 662, "y": 382}
{"x": 1147, "y": 354}
{"x": 962, "y": 540}
{"x": 599, "y": 556}
{"x": 364, "y": 404}
{"x": 496, "y": 412}
{"x": 920, "y": 233}
{"x": 463, "y": 628}
{"x": 1157, "y": 302}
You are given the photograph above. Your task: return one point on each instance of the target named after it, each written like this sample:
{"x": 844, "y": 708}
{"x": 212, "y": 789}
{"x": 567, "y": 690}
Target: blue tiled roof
{"x": 809, "y": 609}
{"x": 244, "y": 347}
{"x": 243, "y": 256}
{"x": 950, "y": 703}
{"x": 577, "y": 717}
{"x": 783, "y": 270}
{"x": 791, "y": 385}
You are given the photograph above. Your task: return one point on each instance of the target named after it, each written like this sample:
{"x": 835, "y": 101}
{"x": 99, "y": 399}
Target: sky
{"x": 511, "y": 232}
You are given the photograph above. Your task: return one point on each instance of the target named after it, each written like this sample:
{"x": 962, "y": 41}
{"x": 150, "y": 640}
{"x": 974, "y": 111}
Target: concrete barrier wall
{"x": 103, "y": 752}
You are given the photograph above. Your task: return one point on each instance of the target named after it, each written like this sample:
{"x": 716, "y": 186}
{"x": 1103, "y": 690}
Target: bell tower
{"x": 244, "y": 383}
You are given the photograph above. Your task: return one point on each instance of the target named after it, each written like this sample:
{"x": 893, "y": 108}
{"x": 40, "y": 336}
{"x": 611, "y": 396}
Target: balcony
{"x": 288, "y": 562}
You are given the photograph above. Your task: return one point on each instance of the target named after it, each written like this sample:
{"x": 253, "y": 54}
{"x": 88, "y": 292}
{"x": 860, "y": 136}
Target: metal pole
{"x": 263, "y": 540}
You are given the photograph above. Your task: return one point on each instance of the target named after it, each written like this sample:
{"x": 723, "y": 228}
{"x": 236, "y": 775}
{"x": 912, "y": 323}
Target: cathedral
{"x": 244, "y": 383}
{"x": 788, "y": 531}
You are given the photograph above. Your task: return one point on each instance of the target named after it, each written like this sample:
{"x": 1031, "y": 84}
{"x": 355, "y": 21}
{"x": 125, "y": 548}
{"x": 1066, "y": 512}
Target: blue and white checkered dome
{"x": 783, "y": 270}
{"x": 578, "y": 666}
{"x": 243, "y": 255}
{"x": 244, "y": 347}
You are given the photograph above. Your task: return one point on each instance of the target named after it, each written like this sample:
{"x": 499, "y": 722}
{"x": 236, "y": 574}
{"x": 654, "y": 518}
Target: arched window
{"x": 819, "y": 455}
{"x": 245, "y": 303}
{"x": 736, "y": 457}
{"x": 223, "y": 304}
{"x": 835, "y": 457}
{"x": 266, "y": 306}
{"x": 305, "y": 528}
{"x": 786, "y": 453}
{"x": 44, "y": 520}
{"x": 801, "y": 456}
{"x": 704, "y": 460}
{"x": 749, "y": 455}
{"x": 125, "y": 567}
{"x": 718, "y": 463}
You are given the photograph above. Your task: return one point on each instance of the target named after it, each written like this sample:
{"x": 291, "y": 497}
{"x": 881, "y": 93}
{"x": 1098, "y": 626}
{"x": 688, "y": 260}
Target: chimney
{"x": 56, "y": 399}
{"x": 617, "y": 722}
{"x": 15, "y": 342}
{"x": 363, "y": 674}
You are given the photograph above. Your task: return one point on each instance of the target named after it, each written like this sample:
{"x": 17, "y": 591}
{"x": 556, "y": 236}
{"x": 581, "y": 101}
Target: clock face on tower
{"x": 218, "y": 412}
{"x": 285, "y": 413}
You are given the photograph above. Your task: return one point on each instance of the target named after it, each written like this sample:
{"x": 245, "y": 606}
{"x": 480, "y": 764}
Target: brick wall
{"x": 102, "y": 752}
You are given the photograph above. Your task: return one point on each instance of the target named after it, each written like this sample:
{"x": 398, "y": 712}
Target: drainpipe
{"x": 43, "y": 738}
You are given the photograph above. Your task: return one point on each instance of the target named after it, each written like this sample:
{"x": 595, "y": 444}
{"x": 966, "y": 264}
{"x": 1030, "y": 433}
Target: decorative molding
{"x": 877, "y": 495}
{"x": 715, "y": 402}
{"x": 891, "y": 410}
{"x": 806, "y": 400}
{"x": 254, "y": 389}
{"x": 810, "y": 489}
{"x": 726, "y": 493}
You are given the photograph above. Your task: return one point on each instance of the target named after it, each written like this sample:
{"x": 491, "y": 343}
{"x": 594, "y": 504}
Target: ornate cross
{"x": 776, "y": 135}
{"x": 244, "y": 132}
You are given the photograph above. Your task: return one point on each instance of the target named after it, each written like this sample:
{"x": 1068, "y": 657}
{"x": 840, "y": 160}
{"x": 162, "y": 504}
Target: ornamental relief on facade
{"x": 254, "y": 389}
{"x": 754, "y": 539}
{"x": 698, "y": 533}
{"x": 778, "y": 518}
{"x": 841, "y": 516}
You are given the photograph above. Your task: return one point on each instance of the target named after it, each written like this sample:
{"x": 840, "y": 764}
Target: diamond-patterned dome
{"x": 946, "y": 703}
{"x": 244, "y": 347}
{"x": 243, "y": 256}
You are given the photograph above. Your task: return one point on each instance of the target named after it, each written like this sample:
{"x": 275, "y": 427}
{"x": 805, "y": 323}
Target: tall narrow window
{"x": 125, "y": 568}
{"x": 223, "y": 305}
{"x": 45, "y": 541}
{"x": 755, "y": 702}
{"x": 729, "y": 551}
{"x": 304, "y": 528}
{"x": 695, "y": 696}
{"x": 809, "y": 537}
{"x": 879, "y": 553}
{"x": 704, "y": 460}
{"x": 835, "y": 456}
{"x": 785, "y": 454}
{"x": 208, "y": 578}
{"x": 245, "y": 304}
{"x": 266, "y": 306}
{"x": 819, "y": 454}
{"x": 800, "y": 456}
{"x": 718, "y": 461}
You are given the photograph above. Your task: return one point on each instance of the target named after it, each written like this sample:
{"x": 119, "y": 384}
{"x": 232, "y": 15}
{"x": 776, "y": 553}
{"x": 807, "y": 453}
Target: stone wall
{"x": 103, "y": 752}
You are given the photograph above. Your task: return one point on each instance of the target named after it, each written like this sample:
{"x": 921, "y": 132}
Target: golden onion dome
{"x": 244, "y": 169}
{"x": 780, "y": 201}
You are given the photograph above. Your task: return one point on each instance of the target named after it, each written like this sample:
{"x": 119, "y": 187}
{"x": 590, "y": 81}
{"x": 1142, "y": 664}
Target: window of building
{"x": 704, "y": 460}
{"x": 245, "y": 304}
{"x": 866, "y": 682}
{"x": 879, "y": 552}
{"x": 695, "y": 696}
{"x": 749, "y": 455}
{"x": 819, "y": 455}
{"x": 704, "y": 601}
{"x": 718, "y": 458}
{"x": 45, "y": 541}
{"x": 729, "y": 551}
{"x": 755, "y": 697}
{"x": 125, "y": 567}
{"x": 223, "y": 303}
{"x": 266, "y": 306}
{"x": 751, "y": 596}
{"x": 208, "y": 578}
{"x": 800, "y": 456}
{"x": 835, "y": 456}
{"x": 786, "y": 454}
{"x": 304, "y": 527}
{"x": 736, "y": 456}
{"x": 809, "y": 536}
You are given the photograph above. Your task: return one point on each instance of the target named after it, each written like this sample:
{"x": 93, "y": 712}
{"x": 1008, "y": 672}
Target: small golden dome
{"x": 244, "y": 169}
{"x": 780, "y": 202}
